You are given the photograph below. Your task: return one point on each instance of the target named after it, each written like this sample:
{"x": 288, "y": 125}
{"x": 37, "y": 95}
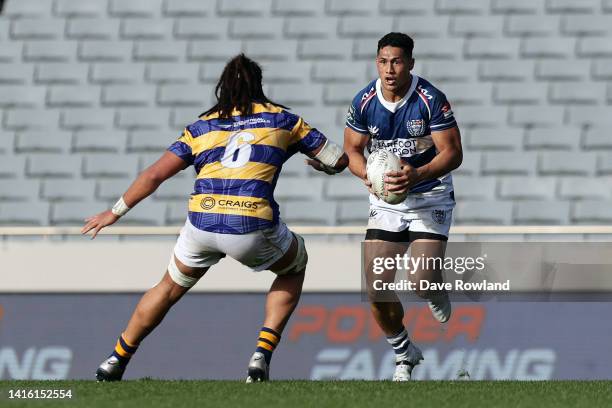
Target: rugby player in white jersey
{"x": 406, "y": 115}
{"x": 237, "y": 149}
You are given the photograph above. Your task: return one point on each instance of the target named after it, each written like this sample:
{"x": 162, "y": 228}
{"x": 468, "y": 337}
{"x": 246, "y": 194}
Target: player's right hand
{"x": 99, "y": 221}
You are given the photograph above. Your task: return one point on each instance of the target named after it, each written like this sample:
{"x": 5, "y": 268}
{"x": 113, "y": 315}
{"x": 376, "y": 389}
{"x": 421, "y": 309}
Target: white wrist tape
{"x": 329, "y": 154}
{"x": 120, "y": 208}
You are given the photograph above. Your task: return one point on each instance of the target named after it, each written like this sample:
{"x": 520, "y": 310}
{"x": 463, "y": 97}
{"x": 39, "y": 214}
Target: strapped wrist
{"x": 120, "y": 208}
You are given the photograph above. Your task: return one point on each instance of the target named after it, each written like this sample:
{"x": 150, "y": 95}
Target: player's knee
{"x": 298, "y": 265}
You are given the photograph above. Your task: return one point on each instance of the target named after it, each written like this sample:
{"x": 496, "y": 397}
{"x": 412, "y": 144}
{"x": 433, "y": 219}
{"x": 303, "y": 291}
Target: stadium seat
{"x": 308, "y": 212}
{"x": 87, "y": 141}
{"x": 117, "y": 73}
{"x": 141, "y": 141}
{"x": 354, "y": 212}
{"x": 54, "y": 141}
{"x": 339, "y": 188}
{"x": 401, "y": 7}
{"x": 597, "y": 137}
{"x": 25, "y": 213}
{"x": 527, "y": 188}
{"x": 483, "y": 212}
{"x": 175, "y": 189}
{"x": 12, "y": 166}
{"x": 146, "y": 29}
{"x": 80, "y": 8}
{"x": 270, "y": 50}
{"x": 504, "y": 70}
{"x": 498, "y": 163}
{"x": 474, "y": 188}
{"x": 592, "y": 212}
{"x": 162, "y": 73}
{"x": 53, "y": 165}
{"x": 128, "y": 95}
{"x": 19, "y": 190}
{"x": 553, "y": 138}
{"x": 109, "y": 165}
{"x": 73, "y": 96}
{"x": 298, "y": 188}
{"x": 310, "y": 27}
{"x": 190, "y": 8}
{"x": 67, "y": 190}
{"x": 582, "y": 188}
{"x": 111, "y": 189}
{"x": 564, "y": 163}
{"x": 542, "y": 212}
{"x": 16, "y": 74}
{"x": 506, "y": 138}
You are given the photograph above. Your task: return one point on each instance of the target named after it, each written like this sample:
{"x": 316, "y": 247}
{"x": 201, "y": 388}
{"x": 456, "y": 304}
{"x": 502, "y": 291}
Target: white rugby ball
{"x": 380, "y": 163}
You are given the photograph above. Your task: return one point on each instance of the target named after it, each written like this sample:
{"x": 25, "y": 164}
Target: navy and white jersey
{"x": 404, "y": 128}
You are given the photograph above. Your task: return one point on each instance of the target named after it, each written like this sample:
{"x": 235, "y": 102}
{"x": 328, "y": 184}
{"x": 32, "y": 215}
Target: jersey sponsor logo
{"x": 373, "y": 130}
{"x": 373, "y": 213}
{"x": 399, "y": 147}
{"x": 438, "y": 216}
{"x": 251, "y": 205}
{"x": 248, "y": 122}
{"x": 416, "y": 127}
{"x": 207, "y": 203}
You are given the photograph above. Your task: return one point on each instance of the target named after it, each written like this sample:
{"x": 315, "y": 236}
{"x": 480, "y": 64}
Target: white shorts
{"x": 258, "y": 249}
{"x": 427, "y": 218}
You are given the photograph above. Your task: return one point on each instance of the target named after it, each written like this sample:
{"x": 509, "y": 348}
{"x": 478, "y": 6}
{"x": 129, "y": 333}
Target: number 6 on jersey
{"x": 236, "y": 154}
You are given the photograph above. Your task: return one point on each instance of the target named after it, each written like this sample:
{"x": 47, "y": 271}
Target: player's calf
{"x": 149, "y": 312}
{"x": 281, "y": 301}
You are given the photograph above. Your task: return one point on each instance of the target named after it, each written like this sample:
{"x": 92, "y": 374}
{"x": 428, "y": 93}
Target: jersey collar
{"x": 394, "y": 106}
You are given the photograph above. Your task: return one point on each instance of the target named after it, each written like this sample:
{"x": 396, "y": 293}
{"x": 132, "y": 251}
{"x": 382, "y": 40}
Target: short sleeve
{"x": 183, "y": 147}
{"x": 305, "y": 138}
{"x": 355, "y": 118}
{"x": 442, "y": 116}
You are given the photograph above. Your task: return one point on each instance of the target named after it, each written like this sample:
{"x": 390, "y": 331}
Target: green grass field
{"x": 294, "y": 394}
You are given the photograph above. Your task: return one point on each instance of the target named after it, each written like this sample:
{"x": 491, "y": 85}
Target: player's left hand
{"x": 317, "y": 165}
{"x": 401, "y": 181}
{"x": 99, "y": 221}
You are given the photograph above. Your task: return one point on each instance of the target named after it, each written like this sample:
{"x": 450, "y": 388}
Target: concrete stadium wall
{"x": 135, "y": 263}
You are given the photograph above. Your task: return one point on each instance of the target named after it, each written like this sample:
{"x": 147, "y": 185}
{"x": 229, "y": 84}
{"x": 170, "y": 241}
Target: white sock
{"x": 400, "y": 343}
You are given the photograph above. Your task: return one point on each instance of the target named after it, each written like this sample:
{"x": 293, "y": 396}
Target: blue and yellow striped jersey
{"x": 238, "y": 161}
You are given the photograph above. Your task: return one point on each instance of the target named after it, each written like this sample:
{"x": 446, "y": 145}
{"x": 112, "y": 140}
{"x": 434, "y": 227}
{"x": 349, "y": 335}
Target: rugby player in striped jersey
{"x": 237, "y": 149}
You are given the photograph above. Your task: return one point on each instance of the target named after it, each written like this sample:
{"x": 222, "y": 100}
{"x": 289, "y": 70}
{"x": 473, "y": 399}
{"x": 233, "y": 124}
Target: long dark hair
{"x": 239, "y": 87}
